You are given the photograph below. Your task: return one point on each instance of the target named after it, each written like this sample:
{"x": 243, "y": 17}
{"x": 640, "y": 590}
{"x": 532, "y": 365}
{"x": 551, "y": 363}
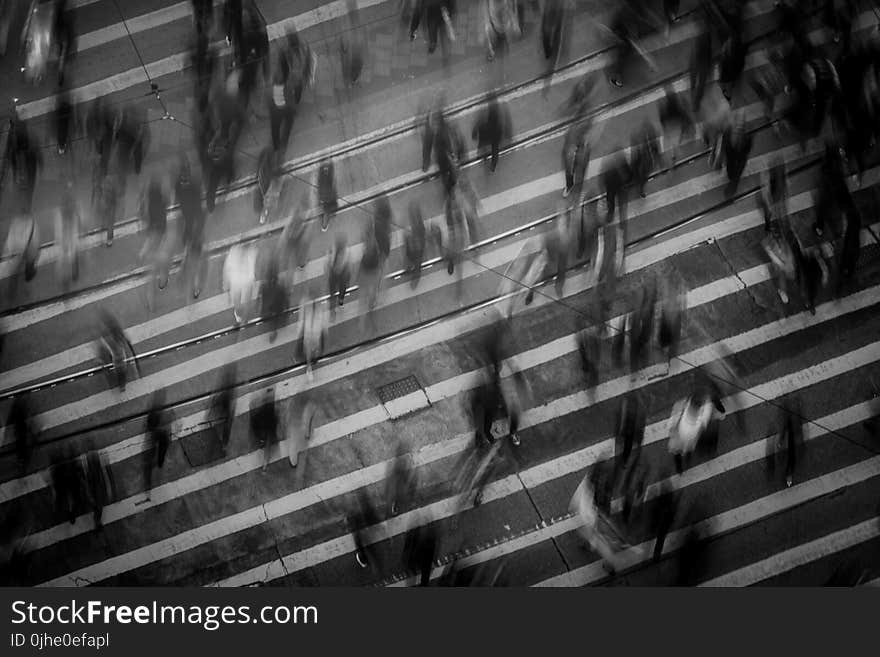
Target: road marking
{"x": 178, "y": 61}
{"x": 529, "y": 478}
{"x": 448, "y": 507}
{"x": 801, "y": 555}
{"x": 730, "y": 521}
{"x": 727, "y": 462}
{"x": 636, "y": 261}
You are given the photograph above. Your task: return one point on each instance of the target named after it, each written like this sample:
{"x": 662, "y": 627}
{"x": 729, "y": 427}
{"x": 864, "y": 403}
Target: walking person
{"x": 64, "y": 119}
{"x": 264, "y": 423}
{"x": 339, "y": 272}
{"x": 575, "y": 156}
{"x": 282, "y": 105}
{"x": 106, "y": 203}
{"x": 296, "y": 236}
{"x": 273, "y": 293}
{"x": 221, "y": 412}
{"x": 490, "y": 129}
{"x": 158, "y": 430}
{"x": 790, "y": 440}
{"x": 114, "y": 350}
{"x": 156, "y": 251}
{"x": 615, "y": 181}
{"x": 24, "y": 430}
{"x": 101, "y": 484}
{"x": 665, "y": 510}
{"x": 187, "y": 193}
{"x": 68, "y": 225}
{"x": 22, "y": 249}
{"x": 240, "y": 280}
{"x": 312, "y": 331}
{"x": 688, "y": 423}
{"x": 327, "y": 195}
{"x": 299, "y": 426}
{"x": 414, "y": 242}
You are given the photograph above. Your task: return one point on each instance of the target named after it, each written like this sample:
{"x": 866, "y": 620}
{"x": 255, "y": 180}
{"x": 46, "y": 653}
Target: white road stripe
{"x": 636, "y": 261}
{"x": 538, "y": 475}
{"x": 253, "y": 346}
{"x": 727, "y": 462}
{"x": 801, "y": 555}
{"x": 731, "y": 520}
{"x": 557, "y": 467}
{"x": 178, "y": 62}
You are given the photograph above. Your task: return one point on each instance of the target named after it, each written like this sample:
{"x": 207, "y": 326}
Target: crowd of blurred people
{"x": 825, "y": 91}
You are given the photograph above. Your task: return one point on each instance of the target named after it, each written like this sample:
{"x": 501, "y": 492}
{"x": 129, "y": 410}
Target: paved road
{"x": 224, "y": 520}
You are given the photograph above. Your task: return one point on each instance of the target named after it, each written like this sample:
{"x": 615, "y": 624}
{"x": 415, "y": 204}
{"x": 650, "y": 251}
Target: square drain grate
{"x": 403, "y": 397}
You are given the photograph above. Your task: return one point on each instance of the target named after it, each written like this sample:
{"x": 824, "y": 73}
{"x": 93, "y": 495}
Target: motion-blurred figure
{"x": 736, "y": 146}
{"x": 106, "y": 204}
{"x": 415, "y": 242}
{"x": 64, "y": 120}
{"x": 68, "y": 486}
{"x": 221, "y": 412}
{"x": 500, "y": 26}
{"x": 158, "y": 432}
{"x": 264, "y": 423}
{"x": 233, "y": 27}
{"x": 361, "y": 517}
{"x": 773, "y": 199}
{"x": 25, "y": 161}
{"x": 645, "y": 156}
{"x": 203, "y": 15}
{"x": 299, "y": 425}
{"x": 351, "y": 47}
{"x": 615, "y": 179}
{"x": 114, "y": 351}
{"x": 312, "y": 330}
{"x": 701, "y": 62}
{"x": 101, "y": 484}
{"x": 665, "y": 510}
{"x": 296, "y": 236}
{"x": 672, "y": 309}
{"x": 491, "y": 128}
{"x": 68, "y": 224}
{"x": 327, "y": 195}
{"x": 22, "y": 249}
{"x": 157, "y": 245}
{"x": 420, "y": 548}
{"x": 790, "y": 440}
{"x": 778, "y": 247}
{"x": 187, "y": 193}
{"x": 240, "y": 280}
{"x": 401, "y": 481}
{"x": 24, "y": 430}
{"x": 273, "y": 293}
{"x": 575, "y": 156}
{"x": 687, "y": 425}
{"x": 339, "y": 272}
{"x": 677, "y": 122}
{"x": 589, "y": 348}
{"x": 438, "y": 16}
{"x": 282, "y": 104}
{"x": 596, "y": 528}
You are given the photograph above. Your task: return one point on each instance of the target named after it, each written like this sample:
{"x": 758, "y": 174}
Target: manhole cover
{"x": 403, "y": 397}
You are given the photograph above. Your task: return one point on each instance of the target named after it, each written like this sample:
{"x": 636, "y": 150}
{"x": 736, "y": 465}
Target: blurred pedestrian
{"x": 500, "y": 26}
{"x": 414, "y": 242}
{"x": 327, "y": 195}
{"x": 156, "y": 251}
{"x": 68, "y": 223}
{"x": 644, "y": 156}
{"x": 490, "y": 129}
{"x": 673, "y": 306}
{"x": 312, "y": 331}
{"x": 668, "y": 500}
{"x": 688, "y": 423}
{"x": 351, "y": 48}
{"x": 106, "y": 203}
{"x": 221, "y": 413}
{"x": 240, "y": 280}
{"x": 264, "y": 423}
{"x": 701, "y": 66}
{"x": 24, "y": 429}
{"x": 295, "y": 237}
{"x": 25, "y": 161}
{"x": 114, "y": 352}
{"x": 101, "y": 484}
{"x": 68, "y": 485}
{"x": 420, "y": 548}
{"x": 269, "y": 183}
{"x": 615, "y": 180}
{"x": 589, "y": 346}
{"x": 218, "y": 163}
{"x": 401, "y": 481}
{"x": 773, "y": 199}
{"x": 299, "y": 425}
{"x": 789, "y": 440}
{"x": 339, "y": 272}
{"x": 234, "y": 28}
{"x": 22, "y": 249}
{"x": 438, "y": 18}
{"x": 783, "y": 264}
{"x": 361, "y": 517}
{"x": 187, "y": 193}
{"x": 677, "y": 122}
{"x": 575, "y": 156}
{"x": 273, "y": 293}
{"x": 282, "y": 105}
{"x": 736, "y": 146}
{"x": 203, "y": 15}
{"x": 158, "y": 430}
{"x": 64, "y": 119}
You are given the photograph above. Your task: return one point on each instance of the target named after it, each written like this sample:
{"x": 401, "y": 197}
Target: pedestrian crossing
{"x": 233, "y": 522}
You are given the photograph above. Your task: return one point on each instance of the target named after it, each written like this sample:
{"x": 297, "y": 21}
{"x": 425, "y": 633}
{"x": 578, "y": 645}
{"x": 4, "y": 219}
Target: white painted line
{"x": 727, "y": 462}
{"x": 288, "y": 334}
{"x": 334, "y": 430}
{"x": 553, "y": 469}
{"x": 557, "y": 467}
{"x": 731, "y": 520}
{"x": 178, "y": 61}
{"x": 804, "y": 554}
{"x": 414, "y": 401}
